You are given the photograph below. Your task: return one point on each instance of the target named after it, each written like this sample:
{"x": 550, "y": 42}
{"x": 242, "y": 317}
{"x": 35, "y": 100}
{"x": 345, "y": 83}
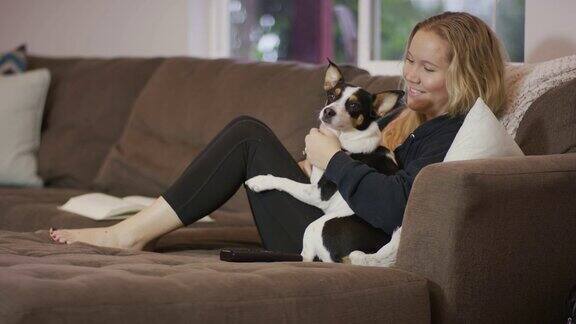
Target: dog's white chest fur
{"x": 361, "y": 142}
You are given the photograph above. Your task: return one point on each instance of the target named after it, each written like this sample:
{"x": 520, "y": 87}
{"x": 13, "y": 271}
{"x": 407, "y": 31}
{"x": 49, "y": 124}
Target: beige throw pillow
{"x": 481, "y": 136}
{"x": 21, "y": 108}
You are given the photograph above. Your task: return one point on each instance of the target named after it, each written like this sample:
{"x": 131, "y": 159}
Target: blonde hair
{"x": 476, "y": 69}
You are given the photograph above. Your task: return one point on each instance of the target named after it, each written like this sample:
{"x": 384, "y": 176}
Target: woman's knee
{"x": 243, "y": 119}
{"x": 247, "y": 126}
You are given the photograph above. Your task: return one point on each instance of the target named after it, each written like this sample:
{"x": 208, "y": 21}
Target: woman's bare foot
{"x": 99, "y": 236}
{"x": 137, "y": 232}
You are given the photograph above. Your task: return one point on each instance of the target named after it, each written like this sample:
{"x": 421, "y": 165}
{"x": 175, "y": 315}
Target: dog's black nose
{"x": 329, "y": 113}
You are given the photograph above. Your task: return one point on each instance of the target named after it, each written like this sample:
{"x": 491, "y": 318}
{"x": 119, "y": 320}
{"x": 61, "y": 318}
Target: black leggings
{"x": 245, "y": 148}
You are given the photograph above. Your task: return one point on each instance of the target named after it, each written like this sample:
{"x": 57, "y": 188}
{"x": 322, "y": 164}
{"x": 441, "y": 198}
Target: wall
{"x": 550, "y": 29}
{"x": 105, "y": 27}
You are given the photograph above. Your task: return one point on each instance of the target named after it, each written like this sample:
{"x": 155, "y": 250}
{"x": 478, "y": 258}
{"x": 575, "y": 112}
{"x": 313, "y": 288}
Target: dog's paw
{"x": 261, "y": 183}
{"x": 379, "y": 259}
{"x": 357, "y": 258}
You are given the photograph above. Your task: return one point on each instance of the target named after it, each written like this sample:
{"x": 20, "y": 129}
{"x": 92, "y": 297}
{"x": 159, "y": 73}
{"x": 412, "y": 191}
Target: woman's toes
{"x": 59, "y": 237}
{"x": 53, "y": 235}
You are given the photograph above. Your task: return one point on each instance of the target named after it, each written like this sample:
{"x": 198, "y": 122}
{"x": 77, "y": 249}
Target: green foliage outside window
{"x": 398, "y": 17}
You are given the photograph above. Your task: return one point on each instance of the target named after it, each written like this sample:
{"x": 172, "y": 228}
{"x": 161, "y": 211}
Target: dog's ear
{"x": 333, "y": 76}
{"x": 384, "y": 101}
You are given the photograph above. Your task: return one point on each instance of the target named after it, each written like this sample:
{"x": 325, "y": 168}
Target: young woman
{"x": 450, "y": 60}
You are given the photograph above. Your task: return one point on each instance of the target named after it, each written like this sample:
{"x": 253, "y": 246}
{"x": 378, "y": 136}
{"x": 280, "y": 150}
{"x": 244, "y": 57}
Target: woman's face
{"x": 425, "y": 70}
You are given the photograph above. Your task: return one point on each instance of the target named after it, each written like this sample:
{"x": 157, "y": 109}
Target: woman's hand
{"x": 306, "y": 167}
{"x": 321, "y": 145}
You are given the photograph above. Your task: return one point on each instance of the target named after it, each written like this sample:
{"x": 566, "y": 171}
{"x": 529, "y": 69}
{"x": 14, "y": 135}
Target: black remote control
{"x": 255, "y": 255}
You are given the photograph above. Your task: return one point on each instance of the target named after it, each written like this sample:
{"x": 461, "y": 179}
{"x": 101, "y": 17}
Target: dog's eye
{"x": 354, "y": 105}
{"x": 331, "y": 97}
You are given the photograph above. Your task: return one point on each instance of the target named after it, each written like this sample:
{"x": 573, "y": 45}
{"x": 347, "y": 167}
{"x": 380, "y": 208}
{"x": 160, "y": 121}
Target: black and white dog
{"x": 351, "y": 113}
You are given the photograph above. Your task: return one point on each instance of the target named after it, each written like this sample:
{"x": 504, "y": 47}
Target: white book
{"x": 101, "y": 206}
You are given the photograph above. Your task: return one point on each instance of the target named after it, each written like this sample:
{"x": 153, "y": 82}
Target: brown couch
{"x": 485, "y": 241}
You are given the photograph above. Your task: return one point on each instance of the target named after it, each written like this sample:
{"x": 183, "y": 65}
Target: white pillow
{"x": 22, "y": 98}
{"x": 482, "y": 136}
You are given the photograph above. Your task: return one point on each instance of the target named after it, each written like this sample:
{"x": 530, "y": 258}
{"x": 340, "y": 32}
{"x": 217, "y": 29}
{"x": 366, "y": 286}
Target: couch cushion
{"x": 377, "y": 83}
{"x": 189, "y": 100}
{"x": 78, "y": 283}
{"x": 31, "y": 209}
{"x": 87, "y": 106}
{"x": 549, "y": 125}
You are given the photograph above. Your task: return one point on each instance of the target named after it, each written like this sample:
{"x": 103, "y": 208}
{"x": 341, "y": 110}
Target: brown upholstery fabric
{"x": 188, "y": 101}
{"x": 42, "y": 282}
{"x": 549, "y": 125}
{"x": 31, "y": 209}
{"x": 494, "y": 237}
{"x": 87, "y": 107}
{"x": 375, "y": 84}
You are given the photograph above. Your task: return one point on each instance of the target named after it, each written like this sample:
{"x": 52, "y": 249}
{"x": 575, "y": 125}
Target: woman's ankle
{"x": 147, "y": 225}
{"x": 126, "y": 238}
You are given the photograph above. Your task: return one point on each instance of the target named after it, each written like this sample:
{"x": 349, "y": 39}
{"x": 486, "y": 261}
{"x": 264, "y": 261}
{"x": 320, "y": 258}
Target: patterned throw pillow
{"x": 528, "y": 81}
{"x": 14, "y": 61}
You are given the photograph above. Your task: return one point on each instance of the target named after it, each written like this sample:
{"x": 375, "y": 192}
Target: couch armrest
{"x": 496, "y": 238}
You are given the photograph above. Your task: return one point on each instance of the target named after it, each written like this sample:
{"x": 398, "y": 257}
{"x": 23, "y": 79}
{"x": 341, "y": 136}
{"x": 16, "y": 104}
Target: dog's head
{"x": 350, "y": 108}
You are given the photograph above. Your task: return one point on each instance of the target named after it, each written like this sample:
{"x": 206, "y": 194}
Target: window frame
{"x": 365, "y": 48}
{"x": 218, "y": 29}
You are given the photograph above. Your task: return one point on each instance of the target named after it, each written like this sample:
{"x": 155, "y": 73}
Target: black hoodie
{"x": 379, "y": 199}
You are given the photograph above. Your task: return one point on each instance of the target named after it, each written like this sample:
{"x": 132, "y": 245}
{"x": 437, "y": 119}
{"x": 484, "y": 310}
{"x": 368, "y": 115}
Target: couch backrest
{"x": 549, "y": 125}
{"x": 87, "y": 107}
{"x": 90, "y": 101}
{"x": 188, "y": 101}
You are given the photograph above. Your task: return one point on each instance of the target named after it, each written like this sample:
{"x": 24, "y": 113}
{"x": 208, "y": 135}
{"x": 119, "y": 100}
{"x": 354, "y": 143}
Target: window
{"x": 393, "y": 20}
{"x": 301, "y": 30}
{"x": 387, "y": 25}
{"x": 369, "y": 33}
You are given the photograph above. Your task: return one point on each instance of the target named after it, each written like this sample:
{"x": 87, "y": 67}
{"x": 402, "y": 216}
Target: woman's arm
{"x": 379, "y": 199}
{"x": 306, "y": 167}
